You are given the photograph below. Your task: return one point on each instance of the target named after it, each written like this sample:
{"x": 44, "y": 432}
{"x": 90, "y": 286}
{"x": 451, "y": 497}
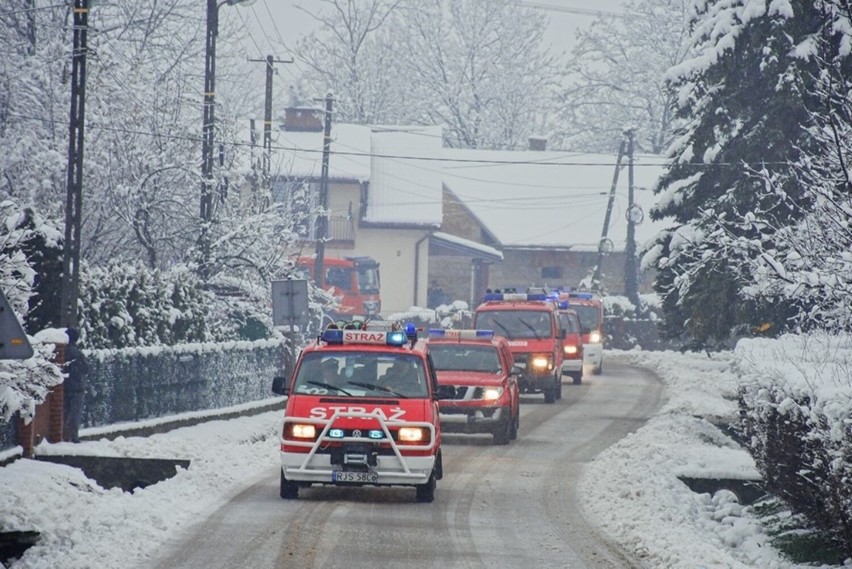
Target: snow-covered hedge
{"x": 131, "y": 384}
{"x": 796, "y": 414}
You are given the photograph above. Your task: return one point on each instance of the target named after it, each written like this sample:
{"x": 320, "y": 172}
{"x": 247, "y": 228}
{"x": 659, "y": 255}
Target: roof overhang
{"x": 455, "y": 245}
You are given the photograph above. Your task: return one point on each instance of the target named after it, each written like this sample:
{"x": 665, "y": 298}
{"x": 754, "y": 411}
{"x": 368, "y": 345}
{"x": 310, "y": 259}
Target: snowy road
{"x": 497, "y": 506}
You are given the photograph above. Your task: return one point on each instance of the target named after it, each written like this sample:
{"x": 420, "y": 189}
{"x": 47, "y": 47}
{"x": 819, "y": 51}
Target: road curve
{"x": 497, "y": 506}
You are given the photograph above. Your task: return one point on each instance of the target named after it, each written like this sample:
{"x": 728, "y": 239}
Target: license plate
{"x": 364, "y": 477}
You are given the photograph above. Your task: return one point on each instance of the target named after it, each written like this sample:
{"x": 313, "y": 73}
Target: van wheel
{"x": 516, "y": 424}
{"x": 289, "y": 490}
{"x": 558, "y": 388}
{"x": 503, "y": 433}
{"x": 426, "y": 492}
{"x": 597, "y": 370}
{"x": 549, "y": 394}
{"x": 577, "y": 377}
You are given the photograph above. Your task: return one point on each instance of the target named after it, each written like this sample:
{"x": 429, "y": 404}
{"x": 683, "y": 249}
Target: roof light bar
{"x": 462, "y": 334}
{"x": 514, "y": 296}
{"x": 365, "y": 337}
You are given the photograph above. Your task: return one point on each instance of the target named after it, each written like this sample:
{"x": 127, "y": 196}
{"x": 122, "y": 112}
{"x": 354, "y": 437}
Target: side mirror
{"x": 564, "y": 332}
{"x": 517, "y": 369}
{"x": 585, "y": 330}
{"x": 280, "y": 386}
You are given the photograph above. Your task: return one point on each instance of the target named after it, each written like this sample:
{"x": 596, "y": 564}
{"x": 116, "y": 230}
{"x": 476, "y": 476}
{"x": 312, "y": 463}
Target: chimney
{"x": 538, "y": 143}
{"x": 303, "y": 119}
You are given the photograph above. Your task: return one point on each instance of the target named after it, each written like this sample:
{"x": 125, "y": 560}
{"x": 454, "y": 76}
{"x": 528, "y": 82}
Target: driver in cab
{"x": 402, "y": 377}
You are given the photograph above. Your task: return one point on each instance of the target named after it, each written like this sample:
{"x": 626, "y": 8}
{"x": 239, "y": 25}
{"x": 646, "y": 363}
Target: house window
{"x": 551, "y": 272}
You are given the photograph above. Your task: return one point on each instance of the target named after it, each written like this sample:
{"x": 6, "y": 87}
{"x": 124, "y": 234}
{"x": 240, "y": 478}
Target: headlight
{"x": 570, "y": 350}
{"x": 413, "y": 435}
{"x": 540, "y": 362}
{"x": 300, "y": 431}
{"x": 492, "y": 393}
{"x": 595, "y": 337}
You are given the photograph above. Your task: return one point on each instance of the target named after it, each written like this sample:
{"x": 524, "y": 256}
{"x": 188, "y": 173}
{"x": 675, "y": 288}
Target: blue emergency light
{"x": 462, "y": 334}
{"x": 564, "y": 305}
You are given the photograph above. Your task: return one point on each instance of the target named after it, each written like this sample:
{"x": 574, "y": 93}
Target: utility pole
{"x": 322, "y": 220}
{"x": 208, "y": 132}
{"x": 631, "y": 285}
{"x": 602, "y": 247}
{"x": 267, "y": 127}
{"x": 74, "y": 187}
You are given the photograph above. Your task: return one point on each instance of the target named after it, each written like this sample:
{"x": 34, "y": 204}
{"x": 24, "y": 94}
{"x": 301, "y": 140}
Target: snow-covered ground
{"x": 631, "y": 489}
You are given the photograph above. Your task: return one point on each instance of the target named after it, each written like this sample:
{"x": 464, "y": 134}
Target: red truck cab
{"x": 362, "y": 409}
{"x": 355, "y": 281}
{"x": 478, "y": 384}
{"x": 530, "y": 324}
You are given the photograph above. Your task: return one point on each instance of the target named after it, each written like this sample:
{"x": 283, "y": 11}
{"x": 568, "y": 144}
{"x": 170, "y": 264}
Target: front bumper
{"x": 390, "y": 470}
{"x": 398, "y": 464}
{"x": 473, "y": 420}
{"x": 593, "y": 354}
{"x": 572, "y": 366}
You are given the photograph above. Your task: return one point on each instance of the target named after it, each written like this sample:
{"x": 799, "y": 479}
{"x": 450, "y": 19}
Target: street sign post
{"x": 289, "y": 308}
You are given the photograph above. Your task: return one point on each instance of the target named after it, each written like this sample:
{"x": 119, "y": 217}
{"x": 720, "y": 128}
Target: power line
{"x": 298, "y": 150}
{"x": 34, "y": 9}
{"x": 568, "y": 9}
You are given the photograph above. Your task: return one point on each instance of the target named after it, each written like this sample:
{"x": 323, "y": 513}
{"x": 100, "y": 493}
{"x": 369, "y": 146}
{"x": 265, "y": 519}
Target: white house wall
{"x": 405, "y": 188}
{"x": 394, "y": 249}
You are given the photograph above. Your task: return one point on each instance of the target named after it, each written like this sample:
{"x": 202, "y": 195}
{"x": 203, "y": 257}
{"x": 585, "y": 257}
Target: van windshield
{"x": 368, "y": 280}
{"x": 516, "y": 324}
{"x": 589, "y": 316}
{"x": 361, "y": 374}
{"x": 461, "y": 357}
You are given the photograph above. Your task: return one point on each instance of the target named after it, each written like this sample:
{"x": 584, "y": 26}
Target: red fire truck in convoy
{"x": 354, "y": 280}
{"x": 362, "y": 409}
{"x": 478, "y": 383}
{"x": 589, "y": 308}
{"x": 530, "y": 323}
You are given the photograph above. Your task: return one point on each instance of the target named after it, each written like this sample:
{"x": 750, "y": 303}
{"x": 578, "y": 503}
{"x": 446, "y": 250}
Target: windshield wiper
{"x": 506, "y": 330}
{"x": 377, "y": 388}
{"x": 328, "y": 386}
{"x": 525, "y": 323}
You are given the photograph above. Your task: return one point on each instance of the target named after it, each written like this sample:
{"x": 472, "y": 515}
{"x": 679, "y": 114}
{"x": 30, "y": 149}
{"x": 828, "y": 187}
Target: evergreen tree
{"x": 742, "y": 102}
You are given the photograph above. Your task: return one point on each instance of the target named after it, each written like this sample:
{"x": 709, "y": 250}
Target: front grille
{"x": 465, "y": 392}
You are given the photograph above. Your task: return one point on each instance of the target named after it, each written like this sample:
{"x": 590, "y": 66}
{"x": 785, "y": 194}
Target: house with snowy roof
{"x": 384, "y": 198}
{"x": 545, "y": 211}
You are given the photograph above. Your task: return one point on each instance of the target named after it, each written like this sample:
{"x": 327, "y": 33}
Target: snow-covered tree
{"x": 478, "y": 67}
{"x": 616, "y": 78}
{"x": 353, "y": 56}
{"x": 808, "y": 262}
{"x": 23, "y": 383}
{"x": 742, "y": 101}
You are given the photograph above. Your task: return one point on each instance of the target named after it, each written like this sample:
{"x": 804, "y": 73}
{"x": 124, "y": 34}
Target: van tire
{"x": 503, "y": 433}
{"x": 289, "y": 490}
{"x": 577, "y": 377}
{"x": 426, "y": 492}
{"x": 549, "y": 394}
